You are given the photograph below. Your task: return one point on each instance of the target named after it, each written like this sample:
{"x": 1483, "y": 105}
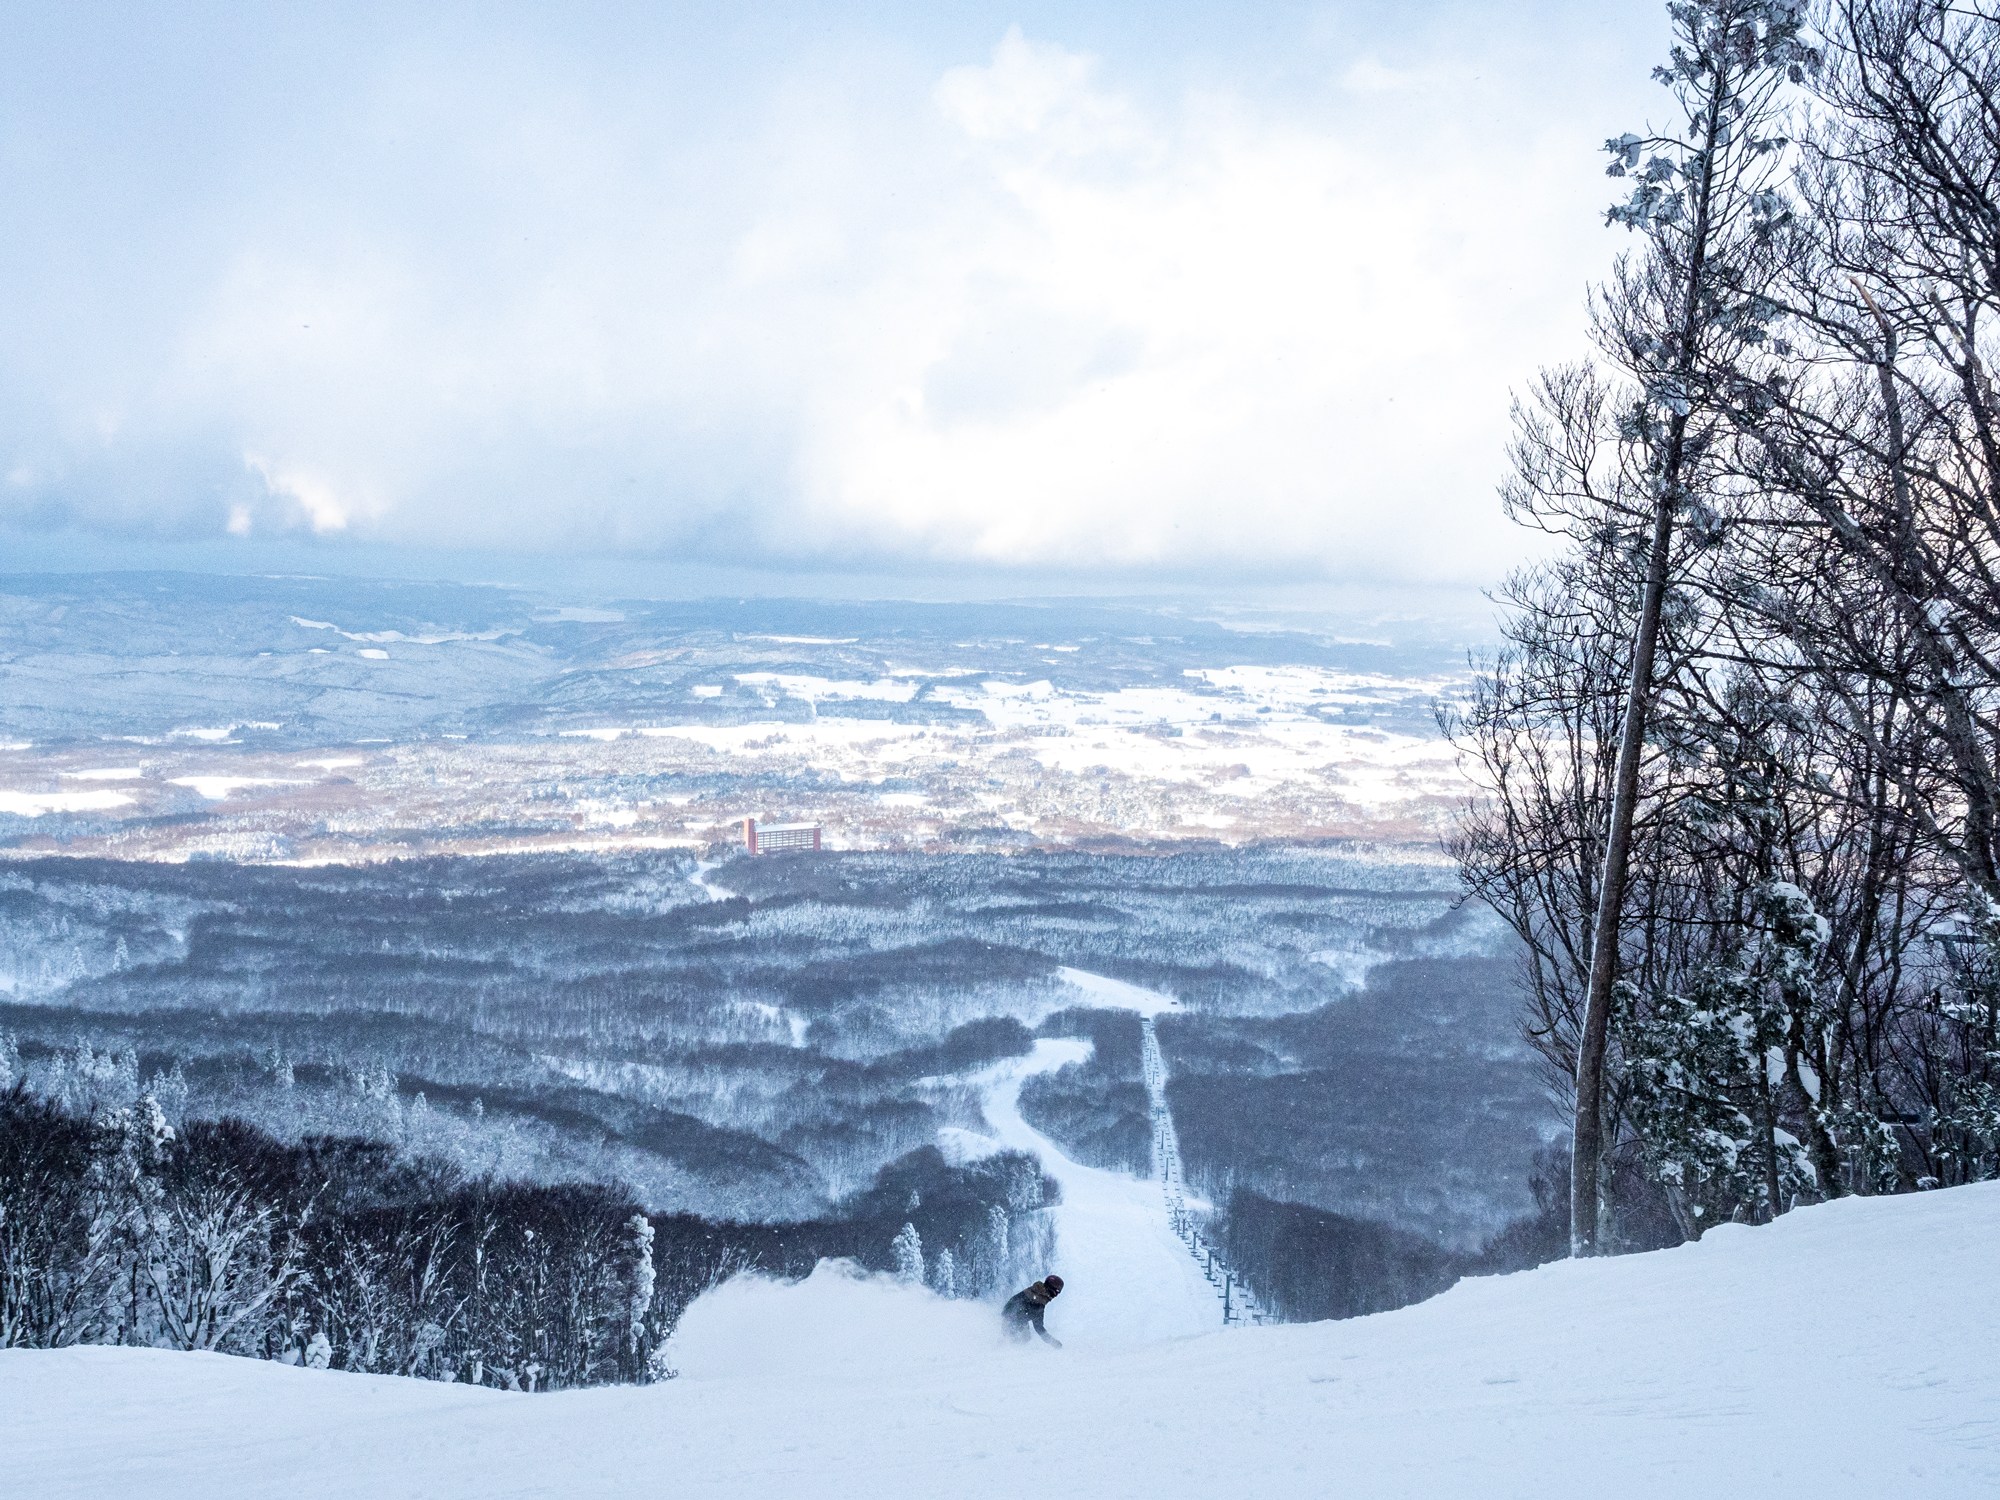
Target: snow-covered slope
{"x": 1851, "y": 1350}
{"x": 1112, "y": 1232}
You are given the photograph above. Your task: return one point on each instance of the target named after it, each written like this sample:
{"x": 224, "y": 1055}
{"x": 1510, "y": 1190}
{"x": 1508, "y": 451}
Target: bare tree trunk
{"x": 1587, "y": 1142}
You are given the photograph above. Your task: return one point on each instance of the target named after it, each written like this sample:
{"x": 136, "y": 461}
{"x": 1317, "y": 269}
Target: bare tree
{"x": 1679, "y": 319}
{"x": 217, "y": 1252}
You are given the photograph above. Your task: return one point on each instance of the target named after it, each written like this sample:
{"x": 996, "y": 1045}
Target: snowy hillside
{"x": 1795, "y": 1360}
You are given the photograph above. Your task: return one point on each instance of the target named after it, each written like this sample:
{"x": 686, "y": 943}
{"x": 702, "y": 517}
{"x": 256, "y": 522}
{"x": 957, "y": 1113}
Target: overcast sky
{"x": 1138, "y": 291}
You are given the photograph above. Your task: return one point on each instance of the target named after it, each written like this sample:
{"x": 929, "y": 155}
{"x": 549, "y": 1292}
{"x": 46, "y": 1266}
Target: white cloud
{"x": 1039, "y": 92}
{"x": 1212, "y": 339}
{"x": 1019, "y": 316}
{"x": 311, "y": 497}
{"x": 1370, "y": 75}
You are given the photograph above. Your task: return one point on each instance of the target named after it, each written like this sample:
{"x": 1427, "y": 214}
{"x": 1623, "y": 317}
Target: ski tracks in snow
{"x": 1127, "y": 1279}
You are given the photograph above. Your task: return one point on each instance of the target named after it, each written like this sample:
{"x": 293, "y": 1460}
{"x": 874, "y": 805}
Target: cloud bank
{"x": 1016, "y": 312}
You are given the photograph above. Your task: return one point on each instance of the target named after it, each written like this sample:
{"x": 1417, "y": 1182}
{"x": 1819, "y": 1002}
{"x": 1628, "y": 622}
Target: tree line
{"x": 1741, "y": 747}
{"x": 1307, "y": 1264}
{"x": 118, "y": 1227}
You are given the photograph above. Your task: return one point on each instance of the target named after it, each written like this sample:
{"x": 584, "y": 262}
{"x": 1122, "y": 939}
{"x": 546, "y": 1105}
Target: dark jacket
{"x": 1024, "y": 1311}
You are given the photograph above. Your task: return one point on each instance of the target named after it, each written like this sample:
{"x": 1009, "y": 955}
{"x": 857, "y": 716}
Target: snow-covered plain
{"x": 476, "y": 720}
{"x": 1235, "y": 753}
{"x": 1851, "y": 1350}
{"x": 39, "y": 804}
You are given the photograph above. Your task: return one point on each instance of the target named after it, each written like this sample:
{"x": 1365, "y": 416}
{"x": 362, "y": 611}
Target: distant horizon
{"x": 604, "y": 579}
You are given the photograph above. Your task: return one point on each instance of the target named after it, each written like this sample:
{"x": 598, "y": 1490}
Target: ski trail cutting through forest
{"x": 1128, "y": 1279}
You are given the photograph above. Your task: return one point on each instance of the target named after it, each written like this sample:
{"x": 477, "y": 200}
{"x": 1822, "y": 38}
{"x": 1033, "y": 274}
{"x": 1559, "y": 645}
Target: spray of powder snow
{"x": 839, "y": 1323}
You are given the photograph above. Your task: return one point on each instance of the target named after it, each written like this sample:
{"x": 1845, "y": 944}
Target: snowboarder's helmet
{"x": 1053, "y": 1283}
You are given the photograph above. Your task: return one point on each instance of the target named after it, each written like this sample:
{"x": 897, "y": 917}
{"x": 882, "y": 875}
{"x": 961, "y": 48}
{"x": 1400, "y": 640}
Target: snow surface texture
{"x": 1789, "y": 1361}
{"x": 1107, "y": 993}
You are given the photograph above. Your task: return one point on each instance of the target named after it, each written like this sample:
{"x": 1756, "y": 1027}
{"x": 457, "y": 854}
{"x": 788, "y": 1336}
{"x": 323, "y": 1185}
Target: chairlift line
{"x": 1239, "y": 1303}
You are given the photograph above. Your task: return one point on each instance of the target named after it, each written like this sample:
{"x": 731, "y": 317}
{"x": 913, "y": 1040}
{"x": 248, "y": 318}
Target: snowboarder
{"x": 1024, "y": 1310}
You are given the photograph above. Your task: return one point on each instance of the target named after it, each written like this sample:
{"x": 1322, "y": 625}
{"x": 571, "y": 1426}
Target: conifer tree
{"x": 639, "y": 1278}
{"x": 907, "y": 1251}
{"x": 1678, "y": 321}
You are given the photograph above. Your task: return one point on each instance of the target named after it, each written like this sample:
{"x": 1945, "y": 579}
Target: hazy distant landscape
{"x": 798, "y": 750}
{"x": 173, "y": 717}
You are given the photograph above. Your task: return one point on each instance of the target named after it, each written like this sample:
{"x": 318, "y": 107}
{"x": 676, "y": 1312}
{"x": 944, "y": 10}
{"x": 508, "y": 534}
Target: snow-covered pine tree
{"x": 1703, "y": 1068}
{"x": 944, "y": 1273}
{"x": 126, "y": 1188}
{"x": 1965, "y": 1120}
{"x": 907, "y": 1251}
{"x": 169, "y": 1090}
{"x": 1677, "y": 321}
{"x": 639, "y": 1279}
{"x": 993, "y": 1256}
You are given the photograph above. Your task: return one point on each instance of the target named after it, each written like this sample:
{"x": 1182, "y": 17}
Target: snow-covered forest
{"x": 781, "y": 1042}
{"x": 345, "y": 1253}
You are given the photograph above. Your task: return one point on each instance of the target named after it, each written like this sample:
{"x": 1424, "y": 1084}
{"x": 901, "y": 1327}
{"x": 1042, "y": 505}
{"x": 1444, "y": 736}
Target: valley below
{"x": 460, "y": 871}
